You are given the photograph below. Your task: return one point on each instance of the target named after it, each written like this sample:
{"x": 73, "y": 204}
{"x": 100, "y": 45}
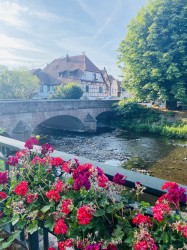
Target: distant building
{"x": 73, "y": 69}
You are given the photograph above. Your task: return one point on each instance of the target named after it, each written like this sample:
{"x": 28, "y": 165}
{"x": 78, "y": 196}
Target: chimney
{"x": 67, "y": 58}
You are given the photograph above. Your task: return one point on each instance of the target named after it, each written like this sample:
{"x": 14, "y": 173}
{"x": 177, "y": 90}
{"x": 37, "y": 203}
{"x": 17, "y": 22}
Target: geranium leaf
{"x": 33, "y": 227}
{"x": 15, "y": 219}
{"x": 110, "y": 209}
{"x": 99, "y": 212}
{"x": 32, "y": 213}
{"x": 49, "y": 223}
{"x": 13, "y": 236}
{"x": 10, "y": 240}
{"x": 45, "y": 208}
{"x": 5, "y": 220}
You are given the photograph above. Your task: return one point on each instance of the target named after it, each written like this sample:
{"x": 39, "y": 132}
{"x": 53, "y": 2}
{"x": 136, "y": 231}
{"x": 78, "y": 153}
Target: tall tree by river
{"x": 152, "y": 56}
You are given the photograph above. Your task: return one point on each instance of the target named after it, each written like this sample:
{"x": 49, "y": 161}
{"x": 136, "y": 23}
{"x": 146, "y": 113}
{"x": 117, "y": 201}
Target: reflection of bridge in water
{"x": 20, "y": 118}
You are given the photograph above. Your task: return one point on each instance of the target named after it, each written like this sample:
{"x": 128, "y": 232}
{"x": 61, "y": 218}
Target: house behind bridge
{"x": 95, "y": 83}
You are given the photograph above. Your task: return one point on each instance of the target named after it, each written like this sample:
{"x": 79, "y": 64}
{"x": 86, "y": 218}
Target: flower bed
{"x": 82, "y": 207}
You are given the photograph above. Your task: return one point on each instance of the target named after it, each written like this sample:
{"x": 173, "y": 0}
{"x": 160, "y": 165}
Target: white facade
{"x": 114, "y": 88}
{"x": 92, "y": 76}
{"x": 93, "y": 85}
{"x": 44, "y": 91}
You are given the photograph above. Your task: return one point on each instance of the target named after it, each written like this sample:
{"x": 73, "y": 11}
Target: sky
{"x": 35, "y": 32}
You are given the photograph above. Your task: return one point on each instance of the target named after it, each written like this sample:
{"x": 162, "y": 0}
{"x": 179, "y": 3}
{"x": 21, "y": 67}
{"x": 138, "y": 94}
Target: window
{"x": 94, "y": 77}
{"x": 100, "y": 89}
{"x": 41, "y": 88}
{"x": 72, "y": 73}
{"x": 61, "y": 74}
{"x": 87, "y": 88}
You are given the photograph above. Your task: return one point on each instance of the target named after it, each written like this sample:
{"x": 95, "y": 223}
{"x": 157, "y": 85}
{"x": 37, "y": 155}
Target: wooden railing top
{"x": 153, "y": 185}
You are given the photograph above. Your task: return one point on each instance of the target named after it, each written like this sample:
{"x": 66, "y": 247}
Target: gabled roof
{"x": 45, "y": 78}
{"x": 70, "y": 64}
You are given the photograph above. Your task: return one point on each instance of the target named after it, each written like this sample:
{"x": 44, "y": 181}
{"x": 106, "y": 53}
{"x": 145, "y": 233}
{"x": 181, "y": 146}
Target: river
{"x": 117, "y": 146}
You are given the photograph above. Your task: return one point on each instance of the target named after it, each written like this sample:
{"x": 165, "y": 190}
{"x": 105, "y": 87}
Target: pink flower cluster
{"x": 111, "y": 247}
{"x": 46, "y": 149}
{"x": 67, "y": 167}
{"x": 30, "y": 142}
{"x": 21, "y": 188}
{"x": 175, "y": 194}
{"x": 53, "y": 195}
{"x": 3, "y": 177}
{"x": 101, "y": 178}
{"x": 93, "y": 247}
{"x": 65, "y": 206}
{"x": 160, "y": 210}
{"x": 183, "y": 229}
{"x": 143, "y": 245}
{"x": 31, "y": 197}
{"x": 22, "y": 153}
{"x": 12, "y": 161}
{"x": 60, "y": 227}
{"x": 84, "y": 215}
{"x": 119, "y": 179}
{"x": 57, "y": 161}
{"x": 144, "y": 240}
{"x": 58, "y": 186}
{"x": 3, "y": 195}
{"x": 66, "y": 243}
{"x": 81, "y": 176}
{"x": 141, "y": 219}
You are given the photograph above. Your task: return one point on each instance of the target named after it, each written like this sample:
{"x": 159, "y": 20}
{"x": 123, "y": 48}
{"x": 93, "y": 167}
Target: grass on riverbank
{"x": 130, "y": 115}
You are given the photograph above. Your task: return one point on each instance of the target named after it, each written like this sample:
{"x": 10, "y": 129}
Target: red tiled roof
{"x": 45, "y": 78}
{"x": 71, "y": 63}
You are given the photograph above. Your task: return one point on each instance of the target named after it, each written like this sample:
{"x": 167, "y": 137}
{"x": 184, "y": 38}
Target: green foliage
{"x": 139, "y": 118}
{"x": 152, "y": 56}
{"x": 17, "y": 84}
{"x": 69, "y": 91}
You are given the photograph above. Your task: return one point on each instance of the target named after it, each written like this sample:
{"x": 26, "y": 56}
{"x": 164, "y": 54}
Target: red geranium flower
{"x": 53, "y": 194}
{"x": 21, "y": 188}
{"x": 3, "y": 195}
{"x": 60, "y": 227}
{"x": 84, "y": 215}
{"x": 30, "y": 142}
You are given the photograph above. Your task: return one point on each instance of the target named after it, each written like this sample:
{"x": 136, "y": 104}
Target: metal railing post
{"x": 33, "y": 241}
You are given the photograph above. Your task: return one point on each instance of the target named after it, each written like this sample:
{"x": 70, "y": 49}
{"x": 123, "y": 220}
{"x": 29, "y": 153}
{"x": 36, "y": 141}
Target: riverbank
{"x": 154, "y": 120}
{"x": 173, "y": 167}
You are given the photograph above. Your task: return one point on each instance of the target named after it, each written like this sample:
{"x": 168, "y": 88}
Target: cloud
{"x": 44, "y": 15}
{"x": 8, "y": 42}
{"x": 10, "y": 14}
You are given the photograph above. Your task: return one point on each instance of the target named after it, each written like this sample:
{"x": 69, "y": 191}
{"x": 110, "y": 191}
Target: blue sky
{"x": 35, "y": 32}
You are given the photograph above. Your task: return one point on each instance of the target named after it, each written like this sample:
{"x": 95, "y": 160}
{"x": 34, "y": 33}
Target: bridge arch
{"x": 61, "y": 122}
{"x": 104, "y": 119}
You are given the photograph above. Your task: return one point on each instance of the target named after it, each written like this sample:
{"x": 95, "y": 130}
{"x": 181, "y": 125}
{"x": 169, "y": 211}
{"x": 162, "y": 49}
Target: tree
{"x": 69, "y": 91}
{"x": 17, "y": 84}
{"x": 152, "y": 56}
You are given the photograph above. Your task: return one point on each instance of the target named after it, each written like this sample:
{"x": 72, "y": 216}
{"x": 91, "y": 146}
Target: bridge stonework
{"x": 20, "y": 118}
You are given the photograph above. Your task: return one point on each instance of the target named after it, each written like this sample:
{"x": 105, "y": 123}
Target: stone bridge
{"x": 20, "y": 118}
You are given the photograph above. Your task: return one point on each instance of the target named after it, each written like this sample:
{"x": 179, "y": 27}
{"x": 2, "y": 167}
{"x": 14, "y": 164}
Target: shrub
{"x": 69, "y": 91}
{"x": 131, "y": 115}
